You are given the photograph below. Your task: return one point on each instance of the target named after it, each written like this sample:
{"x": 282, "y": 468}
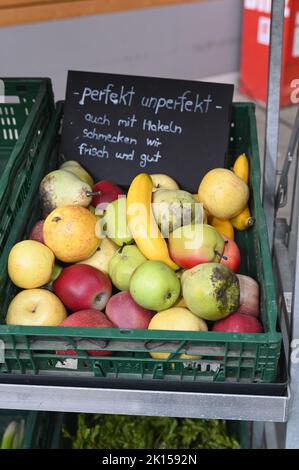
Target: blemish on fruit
{"x": 226, "y": 289}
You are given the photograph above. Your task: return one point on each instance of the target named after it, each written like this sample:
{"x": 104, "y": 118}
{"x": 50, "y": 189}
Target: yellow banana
{"x": 241, "y": 167}
{"x": 224, "y": 227}
{"x": 142, "y": 223}
{"x": 243, "y": 220}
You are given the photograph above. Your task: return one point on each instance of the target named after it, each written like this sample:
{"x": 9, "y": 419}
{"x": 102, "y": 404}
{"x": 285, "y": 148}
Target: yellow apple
{"x": 100, "y": 259}
{"x": 30, "y": 264}
{"x": 176, "y": 319}
{"x": 36, "y": 307}
{"x": 161, "y": 181}
{"x": 180, "y": 303}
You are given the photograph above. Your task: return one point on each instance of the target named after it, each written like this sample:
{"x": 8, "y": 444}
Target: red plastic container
{"x": 255, "y": 51}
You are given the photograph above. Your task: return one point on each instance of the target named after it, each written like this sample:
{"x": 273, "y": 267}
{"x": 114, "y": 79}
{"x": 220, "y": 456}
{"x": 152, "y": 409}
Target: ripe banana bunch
{"x": 142, "y": 223}
{"x": 241, "y": 169}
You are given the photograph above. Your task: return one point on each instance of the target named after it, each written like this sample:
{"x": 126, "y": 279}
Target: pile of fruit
{"x": 157, "y": 257}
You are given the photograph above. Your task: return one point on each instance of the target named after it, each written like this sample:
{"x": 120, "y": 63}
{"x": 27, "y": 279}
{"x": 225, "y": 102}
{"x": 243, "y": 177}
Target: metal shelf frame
{"x": 260, "y": 409}
{"x": 145, "y": 402}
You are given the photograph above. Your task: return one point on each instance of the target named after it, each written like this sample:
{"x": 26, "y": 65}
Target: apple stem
{"x": 120, "y": 250}
{"x": 93, "y": 193}
{"x": 219, "y": 254}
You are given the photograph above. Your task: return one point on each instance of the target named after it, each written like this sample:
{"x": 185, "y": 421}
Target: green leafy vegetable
{"x": 138, "y": 432}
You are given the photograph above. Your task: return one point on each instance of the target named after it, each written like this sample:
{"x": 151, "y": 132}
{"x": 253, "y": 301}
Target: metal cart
{"x": 275, "y": 419}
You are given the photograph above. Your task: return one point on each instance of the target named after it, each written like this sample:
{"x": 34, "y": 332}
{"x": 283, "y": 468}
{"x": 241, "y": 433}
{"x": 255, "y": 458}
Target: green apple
{"x": 114, "y": 222}
{"x": 155, "y": 286}
{"x": 211, "y": 291}
{"x": 55, "y": 273}
{"x": 123, "y": 264}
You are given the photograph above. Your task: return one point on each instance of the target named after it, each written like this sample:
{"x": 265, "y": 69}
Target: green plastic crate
{"x": 39, "y": 427}
{"x": 229, "y": 357}
{"x": 24, "y": 117}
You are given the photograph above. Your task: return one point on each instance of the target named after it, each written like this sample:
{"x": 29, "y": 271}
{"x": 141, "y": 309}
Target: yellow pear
{"x": 100, "y": 259}
{"x": 78, "y": 170}
{"x": 62, "y": 188}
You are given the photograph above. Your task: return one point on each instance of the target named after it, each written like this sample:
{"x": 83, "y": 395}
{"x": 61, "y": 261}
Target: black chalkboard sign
{"x": 117, "y": 126}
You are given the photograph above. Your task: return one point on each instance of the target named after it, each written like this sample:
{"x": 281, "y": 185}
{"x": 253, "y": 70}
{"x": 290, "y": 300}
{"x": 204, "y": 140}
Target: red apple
{"x": 81, "y": 287}
{"x": 124, "y": 312}
{"x": 195, "y": 244}
{"x": 238, "y": 323}
{"x": 104, "y": 192}
{"x": 88, "y": 319}
{"x": 37, "y": 232}
{"x": 231, "y": 257}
